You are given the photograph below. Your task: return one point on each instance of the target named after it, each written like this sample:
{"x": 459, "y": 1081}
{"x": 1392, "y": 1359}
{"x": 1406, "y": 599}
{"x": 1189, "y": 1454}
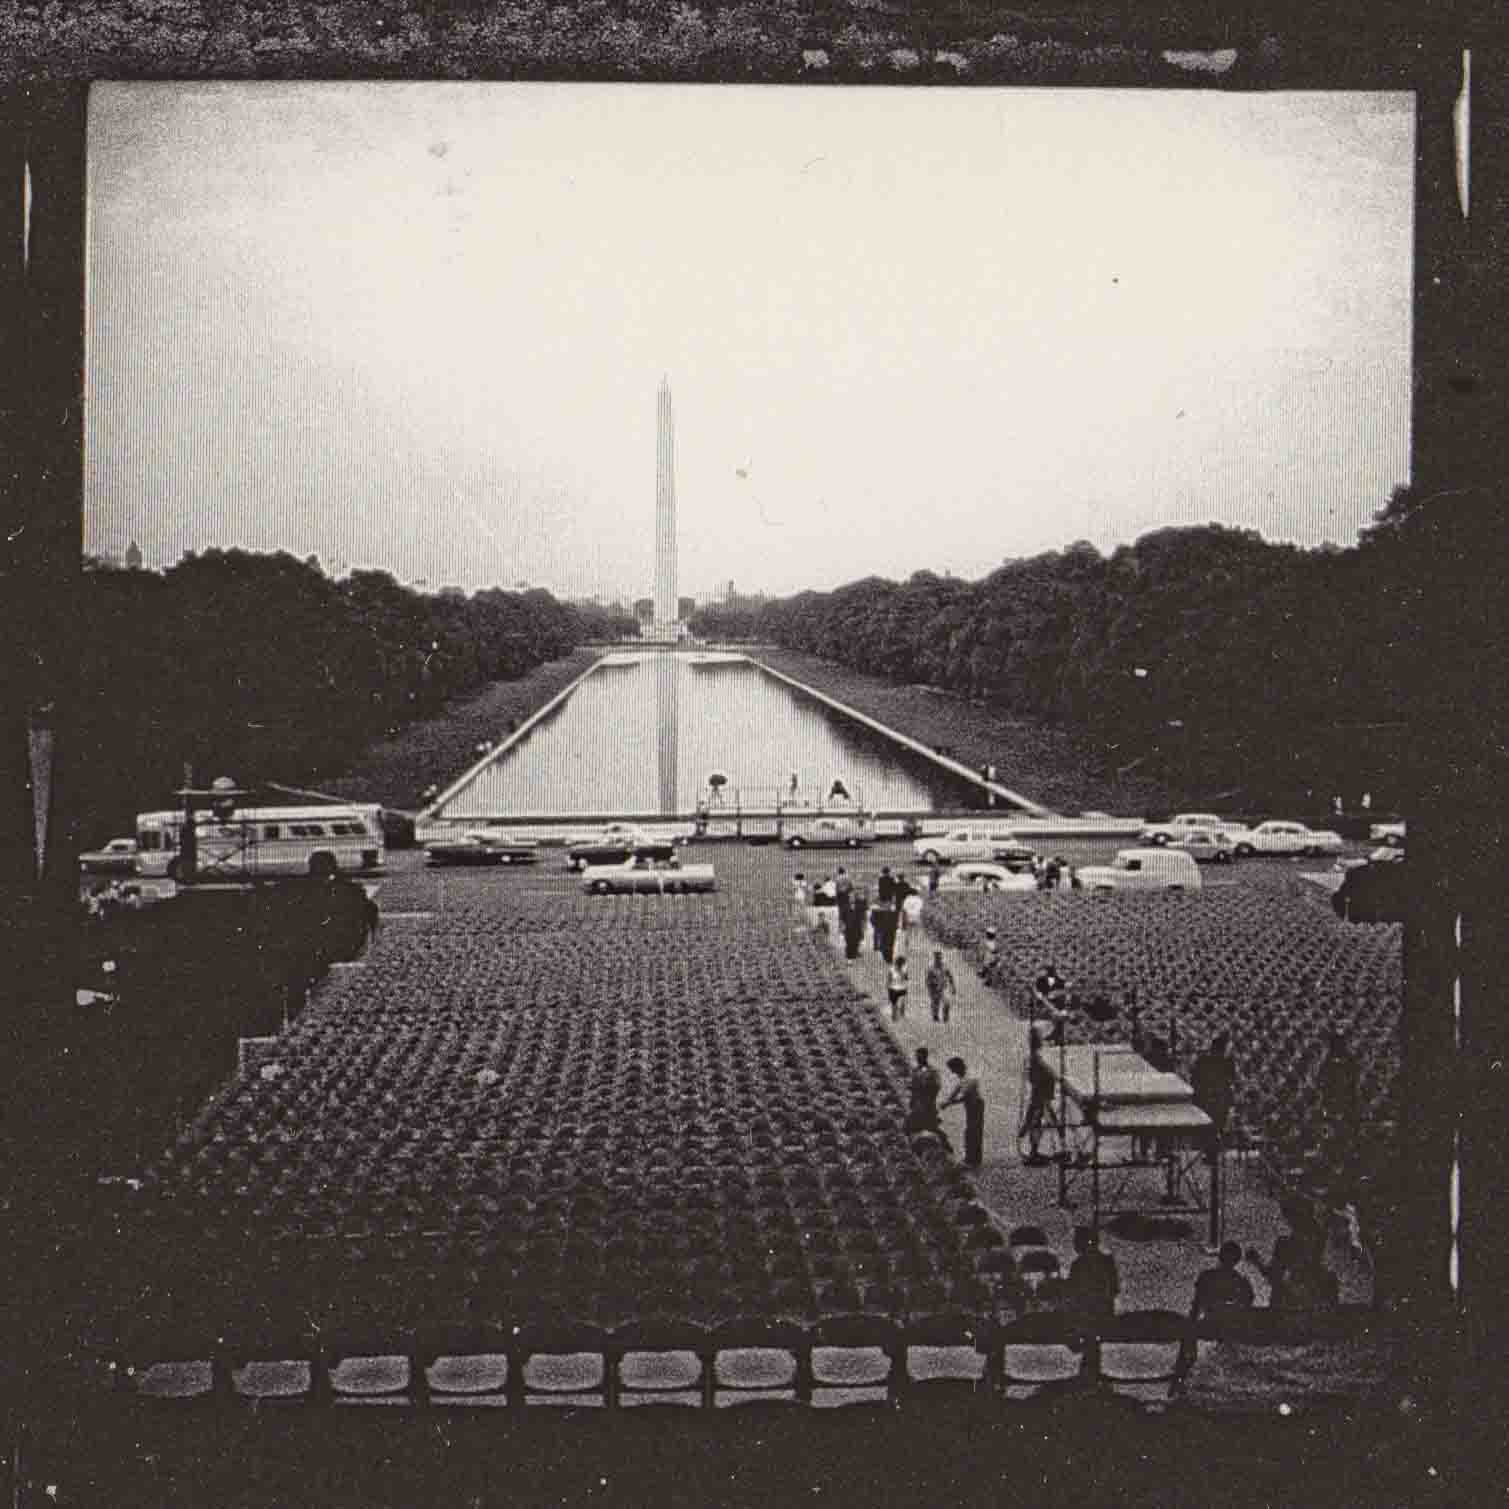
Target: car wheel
{"x": 600, "y": 888}
{"x": 794, "y": 842}
{"x": 322, "y": 866}
{"x": 931, "y": 857}
{"x": 578, "y": 865}
{"x": 1245, "y": 851}
{"x": 1222, "y": 857}
{"x": 853, "y": 843}
{"x": 1159, "y": 840}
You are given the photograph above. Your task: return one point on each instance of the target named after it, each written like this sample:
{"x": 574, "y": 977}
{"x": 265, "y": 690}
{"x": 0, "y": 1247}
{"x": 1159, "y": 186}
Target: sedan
{"x": 616, "y": 848}
{"x": 978, "y": 875}
{"x": 830, "y": 833}
{"x": 1275, "y": 837}
{"x": 641, "y": 875}
{"x": 1208, "y": 845}
{"x": 482, "y": 849}
{"x": 118, "y": 857}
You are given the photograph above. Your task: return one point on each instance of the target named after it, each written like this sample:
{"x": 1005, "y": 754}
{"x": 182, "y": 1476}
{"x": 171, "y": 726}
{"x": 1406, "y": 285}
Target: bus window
{"x": 148, "y": 840}
{"x": 270, "y": 831}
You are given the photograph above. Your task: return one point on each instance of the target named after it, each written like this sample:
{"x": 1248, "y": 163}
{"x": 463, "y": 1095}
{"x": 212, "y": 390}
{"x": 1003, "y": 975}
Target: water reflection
{"x": 667, "y": 732}
{"x": 643, "y": 739}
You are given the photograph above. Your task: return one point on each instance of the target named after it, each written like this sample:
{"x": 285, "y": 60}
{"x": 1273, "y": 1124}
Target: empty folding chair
{"x": 271, "y": 1366}
{"x": 563, "y": 1363}
{"x": 1039, "y": 1354}
{"x": 661, "y": 1362}
{"x": 368, "y": 1365}
{"x": 464, "y": 1366}
{"x": 945, "y": 1352}
{"x": 1143, "y": 1353}
{"x": 760, "y": 1360}
{"x": 855, "y": 1360}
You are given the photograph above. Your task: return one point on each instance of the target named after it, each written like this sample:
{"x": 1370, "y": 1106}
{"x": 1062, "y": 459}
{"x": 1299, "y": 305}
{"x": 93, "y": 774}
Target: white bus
{"x": 256, "y": 842}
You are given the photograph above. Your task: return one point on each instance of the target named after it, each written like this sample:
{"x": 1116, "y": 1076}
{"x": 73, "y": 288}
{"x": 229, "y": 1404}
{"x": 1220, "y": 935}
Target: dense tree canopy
{"x": 1264, "y": 668}
{"x": 263, "y": 667}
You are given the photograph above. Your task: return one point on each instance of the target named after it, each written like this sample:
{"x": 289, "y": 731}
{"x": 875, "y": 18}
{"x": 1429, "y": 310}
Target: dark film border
{"x": 1454, "y": 1049}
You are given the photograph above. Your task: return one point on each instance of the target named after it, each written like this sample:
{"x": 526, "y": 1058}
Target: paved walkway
{"x": 990, "y": 1037}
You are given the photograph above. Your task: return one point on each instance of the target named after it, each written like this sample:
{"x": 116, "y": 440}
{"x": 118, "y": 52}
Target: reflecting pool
{"x": 643, "y": 736}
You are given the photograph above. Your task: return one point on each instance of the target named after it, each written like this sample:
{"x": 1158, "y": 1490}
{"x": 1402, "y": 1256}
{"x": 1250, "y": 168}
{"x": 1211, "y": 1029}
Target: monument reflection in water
{"x": 641, "y": 738}
{"x": 667, "y": 731}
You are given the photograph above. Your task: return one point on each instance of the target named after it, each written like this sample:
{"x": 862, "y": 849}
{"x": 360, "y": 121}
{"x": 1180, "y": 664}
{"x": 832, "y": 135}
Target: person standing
{"x": 940, "y": 986}
{"x": 1090, "y": 1288}
{"x": 1214, "y": 1080}
{"x": 934, "y": 876}
{"x": 1298, "y": 1278}
{"x": 854, "y": 924}
{"x": 990, "y": 968}
{"x": 911, "y": 920}
{"x": 885, "y": 888}
{"x": 1223, "y": 1287}
{"x": 896, "y": 987}
{"x": 968, "y": 1094}
{"x": 1039, "y": 1099}
{"x": 844, "y": 884}
{"x": 799, "y": 889}
{"x": 925, "y": 1087}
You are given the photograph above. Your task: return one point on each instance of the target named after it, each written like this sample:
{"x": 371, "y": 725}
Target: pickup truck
{"x": 1176, "y": 827}
{"x": 641, "y": 875}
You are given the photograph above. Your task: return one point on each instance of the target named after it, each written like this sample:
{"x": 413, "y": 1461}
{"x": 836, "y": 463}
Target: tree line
{"x": 262, "y": 667}
{"x": 1264, "y": 670}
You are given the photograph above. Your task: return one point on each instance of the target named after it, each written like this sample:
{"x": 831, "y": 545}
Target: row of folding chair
{"x": 839, "y": 1359}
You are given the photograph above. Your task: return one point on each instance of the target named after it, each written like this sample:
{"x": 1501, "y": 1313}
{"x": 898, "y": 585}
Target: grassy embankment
{"x": 1052, "y": 766}
{"x": 395, "y": 770}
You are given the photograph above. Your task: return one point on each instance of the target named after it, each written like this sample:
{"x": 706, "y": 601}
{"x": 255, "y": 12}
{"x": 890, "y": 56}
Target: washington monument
{"x": 665, "y": 518}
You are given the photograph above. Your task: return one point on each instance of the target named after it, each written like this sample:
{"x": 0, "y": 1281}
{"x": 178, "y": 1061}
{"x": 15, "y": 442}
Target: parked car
{"x": 1207, "y": 845}
{"x": 979, "y": 841}
{"x": 981, "y": 875}
{"x": 482, "y": 848}
{"x": 830, "y": 833}
{"x": 1176, "y": 827}
{"x": 1277, "y": 837}
{"x": 616, "y": 844}
{"x": 607, "y": 833}
{"x": 640, "y": 874}
{"x": 1153, "y": 869}
{"x": 118, "y": 857}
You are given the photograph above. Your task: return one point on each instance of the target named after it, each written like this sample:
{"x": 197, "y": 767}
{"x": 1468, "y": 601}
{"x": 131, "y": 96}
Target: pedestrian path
{"x": 982, "y": 1030}
{"x": 985, "y": 1031}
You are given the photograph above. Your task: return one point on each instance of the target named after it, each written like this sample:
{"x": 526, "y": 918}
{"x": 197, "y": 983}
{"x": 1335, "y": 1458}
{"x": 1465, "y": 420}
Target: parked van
{"x": 1144, "y": 870}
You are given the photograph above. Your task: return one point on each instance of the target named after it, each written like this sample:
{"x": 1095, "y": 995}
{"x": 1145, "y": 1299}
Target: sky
{"x": 420, "y": 327}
